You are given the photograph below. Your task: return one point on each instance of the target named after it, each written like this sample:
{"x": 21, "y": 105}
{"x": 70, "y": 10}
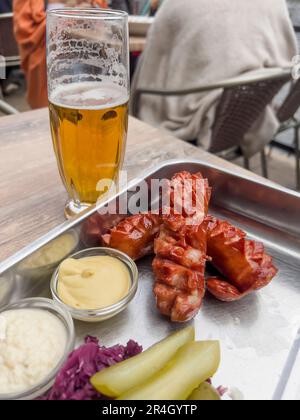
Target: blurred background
{"x": 281, "y": 151}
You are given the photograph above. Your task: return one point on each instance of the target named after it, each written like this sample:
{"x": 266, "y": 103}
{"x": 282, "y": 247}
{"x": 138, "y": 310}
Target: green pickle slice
{"x": 120, "y": 378}
{"x": 192, "y": 365}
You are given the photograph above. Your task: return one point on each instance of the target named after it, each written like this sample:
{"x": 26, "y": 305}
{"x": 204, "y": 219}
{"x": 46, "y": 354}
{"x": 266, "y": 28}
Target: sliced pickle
{"x": 192, "y": 365}
{"x": 118, "y": 379}
{"x": 205, "y": 392}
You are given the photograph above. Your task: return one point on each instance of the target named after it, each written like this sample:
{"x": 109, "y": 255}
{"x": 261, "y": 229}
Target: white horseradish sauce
{"x": 32, "y": 343}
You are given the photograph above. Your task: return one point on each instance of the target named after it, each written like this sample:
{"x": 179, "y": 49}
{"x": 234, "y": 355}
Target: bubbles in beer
{"x": 89, "y": 123}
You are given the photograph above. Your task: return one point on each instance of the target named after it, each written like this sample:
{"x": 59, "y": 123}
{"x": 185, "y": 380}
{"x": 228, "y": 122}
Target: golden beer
{"x": 89, "y": 123}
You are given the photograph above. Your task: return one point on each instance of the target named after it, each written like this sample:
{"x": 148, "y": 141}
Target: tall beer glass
{"x": 88, "y": 89}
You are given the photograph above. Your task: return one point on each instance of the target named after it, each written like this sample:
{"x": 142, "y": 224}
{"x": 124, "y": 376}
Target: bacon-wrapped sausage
{"x": 190, "y": 195}
{"x": 180, "y": 249}
{"x": 244, "y": 263}
{"x": 182, "y": 236}
{"x": 179, "y": 270}
{"x": 135, "y": 235}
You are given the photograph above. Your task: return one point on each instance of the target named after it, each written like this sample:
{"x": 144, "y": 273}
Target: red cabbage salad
{"x": 73, "y": 380}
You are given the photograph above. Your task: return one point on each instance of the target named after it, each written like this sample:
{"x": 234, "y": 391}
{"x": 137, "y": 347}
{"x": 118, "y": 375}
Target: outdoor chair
{"x": 8, "y": 45}
{"x": 243, "y": 101}
{"x": 9, "y": 50}
{"x": 287, "y": 117}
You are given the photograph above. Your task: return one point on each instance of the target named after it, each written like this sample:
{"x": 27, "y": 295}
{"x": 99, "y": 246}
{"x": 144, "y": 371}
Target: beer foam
{"x": 89, "y": 95}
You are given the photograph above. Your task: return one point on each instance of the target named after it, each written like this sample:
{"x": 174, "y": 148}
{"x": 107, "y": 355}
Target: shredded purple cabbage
{"x": 73, "y": 381}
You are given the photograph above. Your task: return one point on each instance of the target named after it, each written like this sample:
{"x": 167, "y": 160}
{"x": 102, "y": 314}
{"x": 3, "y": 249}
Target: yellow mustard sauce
{"x": 92, "y": 282}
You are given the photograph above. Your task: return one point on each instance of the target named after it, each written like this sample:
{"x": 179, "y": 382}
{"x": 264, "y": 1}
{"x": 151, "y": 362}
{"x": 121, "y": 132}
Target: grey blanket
{"x": 197, "y": 42}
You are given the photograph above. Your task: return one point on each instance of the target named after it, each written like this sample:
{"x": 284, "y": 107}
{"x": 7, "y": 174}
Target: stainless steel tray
{"x": 258, "y": 334}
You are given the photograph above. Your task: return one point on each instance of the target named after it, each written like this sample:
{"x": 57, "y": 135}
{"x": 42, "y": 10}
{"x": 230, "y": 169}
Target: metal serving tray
{"x": 258, "y": 334}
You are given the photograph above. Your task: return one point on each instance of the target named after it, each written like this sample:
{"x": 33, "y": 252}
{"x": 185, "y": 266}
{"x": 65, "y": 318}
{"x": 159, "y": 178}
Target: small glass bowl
{"x": 102, "y": 314}
{"x": 32, "y": 274}
{"x": 41, "y": 388}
